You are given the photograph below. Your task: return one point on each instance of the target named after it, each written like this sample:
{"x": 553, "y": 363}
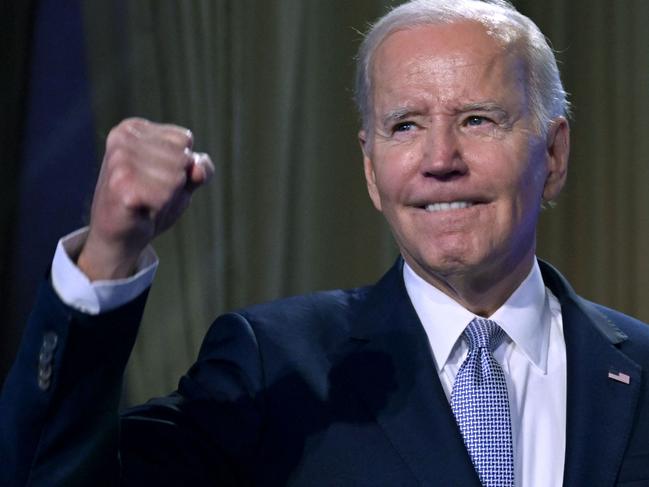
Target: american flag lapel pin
{"x": 620, "y": 377}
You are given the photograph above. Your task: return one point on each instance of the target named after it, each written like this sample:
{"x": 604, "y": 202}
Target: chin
{"x": 443, "y": 265}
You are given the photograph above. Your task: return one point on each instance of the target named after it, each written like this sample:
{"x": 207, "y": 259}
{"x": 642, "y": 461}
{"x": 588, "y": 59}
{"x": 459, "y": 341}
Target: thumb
{"x": 200, "y": 171}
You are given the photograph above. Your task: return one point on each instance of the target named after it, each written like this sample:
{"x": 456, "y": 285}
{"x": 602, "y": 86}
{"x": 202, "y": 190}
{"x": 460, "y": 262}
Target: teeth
{"x": 455, "y": 205}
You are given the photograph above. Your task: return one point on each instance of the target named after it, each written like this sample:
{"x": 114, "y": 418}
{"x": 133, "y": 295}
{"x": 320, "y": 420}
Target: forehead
{"x": 443, "y": 60}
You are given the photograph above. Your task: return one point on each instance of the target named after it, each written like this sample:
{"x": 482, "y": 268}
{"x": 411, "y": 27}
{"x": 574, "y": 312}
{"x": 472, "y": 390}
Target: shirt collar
{"x": 525, "y": 317}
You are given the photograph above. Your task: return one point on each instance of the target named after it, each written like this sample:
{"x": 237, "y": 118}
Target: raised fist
{"x": 146, "y": 181}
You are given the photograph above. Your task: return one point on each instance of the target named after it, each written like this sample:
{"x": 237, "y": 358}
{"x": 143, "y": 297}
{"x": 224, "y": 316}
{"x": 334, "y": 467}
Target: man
{"x": 464, "y": 137}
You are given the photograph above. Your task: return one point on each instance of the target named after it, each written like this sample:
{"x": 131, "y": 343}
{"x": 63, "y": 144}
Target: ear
{"x": 558, "y": 150}
{"x": 368, "y": 167}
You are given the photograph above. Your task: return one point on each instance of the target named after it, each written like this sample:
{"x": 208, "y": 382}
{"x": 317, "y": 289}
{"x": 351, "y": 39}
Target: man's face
{"x": 453, "y": 158}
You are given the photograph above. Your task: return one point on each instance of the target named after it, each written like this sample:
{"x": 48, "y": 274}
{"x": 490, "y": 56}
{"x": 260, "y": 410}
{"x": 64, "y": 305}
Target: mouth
{"x": 446, "y": 206}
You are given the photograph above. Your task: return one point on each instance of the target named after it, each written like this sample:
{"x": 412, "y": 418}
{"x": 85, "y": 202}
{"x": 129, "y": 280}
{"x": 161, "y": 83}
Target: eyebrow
{"x": 403, "y": 113}
{"x": 482, "y": 107}
{"x": 399, "y": 114}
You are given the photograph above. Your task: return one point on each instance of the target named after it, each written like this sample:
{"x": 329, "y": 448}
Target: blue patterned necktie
{"x": 481, "y": 406}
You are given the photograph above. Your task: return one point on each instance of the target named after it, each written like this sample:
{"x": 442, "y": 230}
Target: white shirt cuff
{"x": 77, "y": 291}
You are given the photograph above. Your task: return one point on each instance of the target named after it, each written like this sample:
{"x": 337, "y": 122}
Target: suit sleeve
{"x": 59, "y": 419}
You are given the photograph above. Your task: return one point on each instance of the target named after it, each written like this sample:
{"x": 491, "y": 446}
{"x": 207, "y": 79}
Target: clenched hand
{"x": 148, "y": 175}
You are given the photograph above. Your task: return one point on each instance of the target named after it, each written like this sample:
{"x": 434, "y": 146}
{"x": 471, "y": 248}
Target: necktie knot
{"x": 483, "y": 333}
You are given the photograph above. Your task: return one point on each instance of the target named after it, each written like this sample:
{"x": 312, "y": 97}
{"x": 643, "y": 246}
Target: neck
{"x": 480, "y": 292}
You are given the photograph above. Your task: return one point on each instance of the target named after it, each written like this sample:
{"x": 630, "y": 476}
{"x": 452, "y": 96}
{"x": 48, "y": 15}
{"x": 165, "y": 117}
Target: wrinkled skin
{"x": 451, "y": 122}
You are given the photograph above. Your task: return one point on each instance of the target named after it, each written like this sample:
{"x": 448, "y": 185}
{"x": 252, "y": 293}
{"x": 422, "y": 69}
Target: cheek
{"x": 514, "y": 167}
{"x": 388, "y": 189}
{"x": 532, "y": 179}
{"x": 395, "y": 169}
{"x": 525, "y": 188}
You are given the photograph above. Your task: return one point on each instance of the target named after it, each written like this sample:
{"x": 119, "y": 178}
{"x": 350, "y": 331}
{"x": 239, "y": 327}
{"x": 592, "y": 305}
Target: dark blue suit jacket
{"x": 329, "y": 389}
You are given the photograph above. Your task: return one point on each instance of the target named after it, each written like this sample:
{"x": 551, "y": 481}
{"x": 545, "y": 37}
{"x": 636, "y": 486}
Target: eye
{"x": 476, "y": 121}
{"x": 403, "y": 127}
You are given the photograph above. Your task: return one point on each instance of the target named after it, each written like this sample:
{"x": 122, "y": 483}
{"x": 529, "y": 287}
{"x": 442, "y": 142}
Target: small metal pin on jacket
{"x": 620, "y": 377}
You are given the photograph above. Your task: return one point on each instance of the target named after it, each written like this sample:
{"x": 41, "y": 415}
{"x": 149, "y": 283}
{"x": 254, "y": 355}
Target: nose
{"x": 442, "y": 155}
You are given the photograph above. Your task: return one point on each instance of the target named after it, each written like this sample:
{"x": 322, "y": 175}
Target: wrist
{"x": 100, "y": 261}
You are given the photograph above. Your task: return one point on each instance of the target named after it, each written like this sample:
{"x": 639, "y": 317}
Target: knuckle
{"x": 135, "y": 123}
{"x": 118, "y": 156}
{"x": 120, "y": 179}
{"x": 127, "y": 125}
{"x": 115, "y": 137}
{"x": 180, "y": 138}
{"x": 123, "y": 134}
{"x": 187, "y": 157}
{"x": 176, "y": 136}
{"x": 187, "y": 138}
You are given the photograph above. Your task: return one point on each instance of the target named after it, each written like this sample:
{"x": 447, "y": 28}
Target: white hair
{"x": 547, "y": 97}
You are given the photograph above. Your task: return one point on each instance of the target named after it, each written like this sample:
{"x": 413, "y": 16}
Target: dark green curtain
{"x": 599, "y": 234}
{"x": 266, "y": 88}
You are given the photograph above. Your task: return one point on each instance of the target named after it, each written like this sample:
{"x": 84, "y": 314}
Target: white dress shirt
{"x": 76, "y": 290}
{"x": 533, "y": 359}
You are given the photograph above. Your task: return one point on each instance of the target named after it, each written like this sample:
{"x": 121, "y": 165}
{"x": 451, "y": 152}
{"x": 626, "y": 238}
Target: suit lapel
{"x": 393, "y": 372}
{"x": 599, "y": 409}
{"x": 394, "y": 375}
